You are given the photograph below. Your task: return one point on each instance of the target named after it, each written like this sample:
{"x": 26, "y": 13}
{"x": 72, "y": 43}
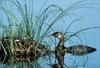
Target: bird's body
{"x": 59, "y": 53}
{"x": 79, "y": 50}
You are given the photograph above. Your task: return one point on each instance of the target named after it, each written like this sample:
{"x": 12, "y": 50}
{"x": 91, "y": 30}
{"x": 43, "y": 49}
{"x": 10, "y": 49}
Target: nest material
{"x": 24, "y": 49}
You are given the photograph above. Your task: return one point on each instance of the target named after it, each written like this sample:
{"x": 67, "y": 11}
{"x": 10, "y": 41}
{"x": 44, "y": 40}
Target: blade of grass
{"x": 74, "y": 34}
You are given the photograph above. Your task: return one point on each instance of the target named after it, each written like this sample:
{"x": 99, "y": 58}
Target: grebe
{"x": 75, "y": 50}
{"x": 59, "y": 51}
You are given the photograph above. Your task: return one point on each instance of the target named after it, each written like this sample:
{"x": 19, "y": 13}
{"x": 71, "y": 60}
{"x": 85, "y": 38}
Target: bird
{"x": 79, "y": 50}
{"x": 59, "y": 50}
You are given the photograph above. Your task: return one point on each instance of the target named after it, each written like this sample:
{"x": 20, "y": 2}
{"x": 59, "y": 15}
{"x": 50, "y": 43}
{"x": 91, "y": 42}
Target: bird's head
{"x": 57, "y": 34}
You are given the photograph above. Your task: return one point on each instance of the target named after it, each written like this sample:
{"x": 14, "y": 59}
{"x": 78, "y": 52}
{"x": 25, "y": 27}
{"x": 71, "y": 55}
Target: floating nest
{"x": 23, "y": 49}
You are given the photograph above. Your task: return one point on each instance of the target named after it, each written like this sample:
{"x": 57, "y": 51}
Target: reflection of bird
{"x": 56, "y": 66}
{"x": 59, "y": 52}
{"x": 79, "y": 50}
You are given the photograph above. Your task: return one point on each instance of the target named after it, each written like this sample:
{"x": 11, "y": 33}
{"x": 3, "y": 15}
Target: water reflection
{"x": 32, "y": 62}
{"x": 17, "y": 62}
{"x": 4, "y": 59}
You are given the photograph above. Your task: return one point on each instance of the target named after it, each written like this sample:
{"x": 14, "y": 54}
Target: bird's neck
{"x": 61, "y": 42}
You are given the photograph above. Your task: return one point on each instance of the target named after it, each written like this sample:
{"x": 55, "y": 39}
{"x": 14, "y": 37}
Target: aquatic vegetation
{"x": 25, "y": 36}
